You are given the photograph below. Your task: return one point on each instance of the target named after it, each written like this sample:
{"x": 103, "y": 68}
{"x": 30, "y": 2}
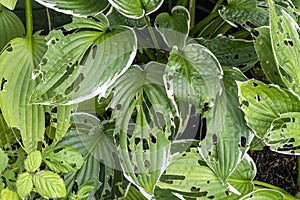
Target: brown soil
{"x": 276, "y": 169}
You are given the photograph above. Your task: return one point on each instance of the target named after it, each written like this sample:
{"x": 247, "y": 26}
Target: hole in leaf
{"x": 137, "y": 141}
{"x": 208, "y": 182}
{"x": 119, "y": 106}
{"x": 205, "y": 107}
{"x": 215, "y": 138}
{"x": 243, "y": 141}
{"x": 257, "y": 97}
{"x": 236, "y": 56}
{"x": 54, "y": 110}
{"x": 153, "y": 139}
{"x": 3, "y": 82}
{"x": 94, "y": 51}
{"x": 201, "y": 162}
{"x": 194, "y": 189}
{"x": 256, "y": 33}
{"x": 9, "y": 48}
{"x": 44, "y": 61}
{"x": 254, "y": 84}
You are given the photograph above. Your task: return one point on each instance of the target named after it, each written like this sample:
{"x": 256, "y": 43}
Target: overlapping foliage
{"x": 100, "y": 108}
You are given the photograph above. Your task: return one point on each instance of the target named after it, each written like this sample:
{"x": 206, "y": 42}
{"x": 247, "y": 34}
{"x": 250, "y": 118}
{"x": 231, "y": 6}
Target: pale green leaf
{"x": 88, "y": 137}
{"x": 4, "y": 161}
{"x": 264, "y": 103}
{"x": 63, "y": 160}
{"x": 10, "y": 27}
{"x": 241, "y": 178}
{"x": 10, "y": 4}
{"x": 136, "y": 8}
{"x": 71, "y": 79}
{"x": 131, "y": 194}
{"x": 33, "y": 161}
{"x": 146, "y": 153}
{"x": 115, "y": 18}
{"x": 188, "y": 174}
{"x": 286, "y": 43}
{"x": 224, "y": 150}
{"x": 263, "y": 47}
{"x": 24, "y": 184}
{"x": 62, "y": 122}
{"x": 174, "y": 27}
{"x": 8, "y": 194}
{"x": 76, "y": 7}
{"x": 245, "y": 13}
{"x": 194, "y": 75}
{"x": 283, "y": 135}
{"x": 22, "y": 57}
{"x": 231, "y": 52}
{"x": 264, "y": 194}
{"x": 49, "y": 184}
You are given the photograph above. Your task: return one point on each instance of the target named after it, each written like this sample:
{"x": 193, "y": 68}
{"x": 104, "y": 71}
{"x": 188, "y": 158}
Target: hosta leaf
{"x": 9, "y": 194}
{"x": 136, "y": 8}
{"x": 264, "y": 103}
{"x": 265, "y": 194}
{"x": 241, "y": 178}
{"x": 194, "y": 75}
{"x": 131, "y": 194}
{"x": 4, "y": 161}
{"x": 49, "y": 184}
{"x": 24, "y": 184}
{"x": 74, "y": 79}
{"x": 61, "y": 122}
{"x": 188, "y": 174}
{"x": 63, "y": 160}
{"x": 233, "y": 140}
{"x": 283, "y": 134}
{"x": 65, "y": 53}
{"x": 145, "y": 154}
{"x": 22, "y": 57}
{"x": 286, "y": 43}
{"x": 33, "y": 161}
{"x": 231, "y": 52}
{"x": 10, "y": 27}
{"x": 76, "y": 7}
{"x": 89, "y": 137}
{"x": 263, "y": 47}
{"x": 245, "y": 13}
{"x": 174, "y": 27}
{"x": 10, "y": 4}
{"x": 115, "y": 18}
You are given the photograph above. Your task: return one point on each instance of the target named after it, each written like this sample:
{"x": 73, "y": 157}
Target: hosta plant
{"x": 103, "y": 107}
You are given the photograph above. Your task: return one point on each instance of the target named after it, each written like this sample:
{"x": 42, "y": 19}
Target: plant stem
{"x": 267, "y": 185}
{"x": 29, "y": 22}
{"x": 49, "y": 19}
{"x": 298, "y": 178}
{"x": 216, "y": 7}
{"x": 192, "y": 8}
{"x": 153, "y": 37}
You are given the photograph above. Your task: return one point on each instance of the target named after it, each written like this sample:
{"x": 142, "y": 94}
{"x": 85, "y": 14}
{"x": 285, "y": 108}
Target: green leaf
{"x": 62, "y": 122}
{"x": 10, "y": 4}
{"x": 23, "y": 56}
{"x": 33, "y": 161}
{"x": 265, "y": 194}
{"x": 224, "y": 150}
{"x": 188, "y": 174}
{"x": 115, "y": 18}
{"x": 85, "y": 189}
{"x": 24, "y": 184}
{"x": 244, "y": 12}
{"x": 63, "y": 160}
{"x": 8, "y": 194}
{"x": 10, "y": 27}
{"x": 140, "y": 95}
{"x": 174, "y": 27}
{"x": 231, "y": 52}
{"x": 71, "y": 79}
{"x": 194, "y": 75}
{"x": 4, "y": 161}
{"x": 241, "y": 178}
{"x": 283, "y": 134}
{"x": 76, "y": 7}
{"x": 131, "y": 194}
{"x": 49, "y": 184}
{"x": 263, "y": 47}
{"x": 264, "y": 103}
{"x": 285, "y": 44}
{"x": 89, "y": 137}
{"x": 136, "y": 8}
